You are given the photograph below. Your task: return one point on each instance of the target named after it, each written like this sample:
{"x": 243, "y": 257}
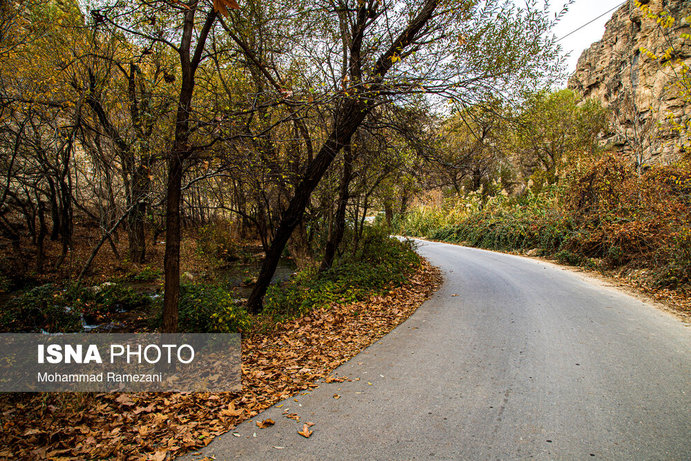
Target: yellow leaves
{"x": 395, "y": 58}
{"x": 648, "y": 53}
{"x": 665, "y": 21}
{"x": 221, "y": 6}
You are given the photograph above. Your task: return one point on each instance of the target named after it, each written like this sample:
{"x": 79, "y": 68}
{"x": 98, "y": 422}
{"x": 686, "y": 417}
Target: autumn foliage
{"x": 605, "y": 216}
{"x": 628, "y": 218}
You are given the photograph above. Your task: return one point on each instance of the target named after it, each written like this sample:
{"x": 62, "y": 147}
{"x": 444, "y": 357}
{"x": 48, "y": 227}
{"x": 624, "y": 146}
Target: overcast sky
{"x": 580, "y": 13}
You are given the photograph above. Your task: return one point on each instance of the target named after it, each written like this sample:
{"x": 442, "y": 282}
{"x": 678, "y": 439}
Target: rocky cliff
{"x": 638, "y": 89}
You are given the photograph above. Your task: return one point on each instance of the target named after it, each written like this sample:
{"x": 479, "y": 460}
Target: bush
{"x": 605, "y": 212}
{"x": 146, "y": 274}
{"x": 215, "y": 242}
{"x": 43, "y": 308}
{"x": 512, "y": 224}
{"x": 61, "y": 310}
{"x": 425, "y": 220}
{"x": 567, "y": 257}
{"x": 379, "y": 263}
{"x": 209, "y": 308}
{"x": 627, "y": 218}
{"x": 100, "y": 302}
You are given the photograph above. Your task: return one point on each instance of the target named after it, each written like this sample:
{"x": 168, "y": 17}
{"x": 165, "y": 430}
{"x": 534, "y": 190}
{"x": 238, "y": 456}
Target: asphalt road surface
{"x": 512, "y": 358}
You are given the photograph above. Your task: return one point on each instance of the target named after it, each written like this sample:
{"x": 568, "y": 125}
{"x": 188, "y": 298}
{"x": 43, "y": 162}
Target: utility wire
{"x": 591, "y": 21}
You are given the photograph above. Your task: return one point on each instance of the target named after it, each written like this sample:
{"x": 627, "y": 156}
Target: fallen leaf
{"x": 305, "y": 432}
{"x": 274, "y": 367}
{"x": 266, "y": 423}
{"x": 125, "y": 400}
{"x": 231, "y": 410}
{"x": 159, "y": 455}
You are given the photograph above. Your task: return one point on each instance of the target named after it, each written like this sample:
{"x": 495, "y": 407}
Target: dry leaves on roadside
{"x": 266, "y": 423}
{"x": 275, "y": 366}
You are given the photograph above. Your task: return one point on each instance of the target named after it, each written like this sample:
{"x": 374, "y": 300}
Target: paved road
{"x": 513, "y": 358}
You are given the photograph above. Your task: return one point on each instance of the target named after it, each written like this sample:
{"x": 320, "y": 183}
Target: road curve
{"x": 512, "y": 358}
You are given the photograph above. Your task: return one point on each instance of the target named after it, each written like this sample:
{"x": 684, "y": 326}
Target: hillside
{"x": 637, "y": 89}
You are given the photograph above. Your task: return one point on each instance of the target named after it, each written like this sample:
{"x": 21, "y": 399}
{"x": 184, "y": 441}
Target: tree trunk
{"x": 339, "y": 220}
{"x": 388, "y": 211}
{"x": 180, "y": 152}
{"x": 42, "y": 231}
{"x": 136, "y": 228}
{"x": 171, "y": 262}
{"x": 350, "y": 118}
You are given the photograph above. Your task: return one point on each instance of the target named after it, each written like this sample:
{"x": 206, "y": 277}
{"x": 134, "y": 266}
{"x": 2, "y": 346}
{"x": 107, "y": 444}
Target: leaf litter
{"x": 157, "y": 426}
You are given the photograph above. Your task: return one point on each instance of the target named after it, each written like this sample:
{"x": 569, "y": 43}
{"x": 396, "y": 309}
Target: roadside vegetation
{"x": 536, "y": 179}
{"x": 212, "y": 300}
{"x": 605, "y": 217}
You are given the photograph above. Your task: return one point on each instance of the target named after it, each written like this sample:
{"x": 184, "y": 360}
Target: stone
{"x": 637, "y": 89}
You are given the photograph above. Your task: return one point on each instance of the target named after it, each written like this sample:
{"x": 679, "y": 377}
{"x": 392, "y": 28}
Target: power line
{"x": 591, "y": 21}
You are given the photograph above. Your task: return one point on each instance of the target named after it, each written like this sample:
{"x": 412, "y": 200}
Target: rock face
{"x": 639, "y": 90}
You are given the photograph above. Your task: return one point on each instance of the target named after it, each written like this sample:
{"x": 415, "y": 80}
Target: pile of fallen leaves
{"x": 275, "y": 365}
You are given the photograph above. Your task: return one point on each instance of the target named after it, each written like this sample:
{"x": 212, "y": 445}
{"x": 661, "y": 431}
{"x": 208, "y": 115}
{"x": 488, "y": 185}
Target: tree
{"x": 553, "y": 129}
{"x": 471, "y": 147}
{"x": 190, "y": 45}
{"x": 389, "y": 52}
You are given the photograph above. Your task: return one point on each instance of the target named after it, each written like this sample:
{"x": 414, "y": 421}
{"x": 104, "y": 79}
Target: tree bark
{"x": 136, "y": 223}
{"x": 171, "y": 262}
{"x": 339, "y": 219}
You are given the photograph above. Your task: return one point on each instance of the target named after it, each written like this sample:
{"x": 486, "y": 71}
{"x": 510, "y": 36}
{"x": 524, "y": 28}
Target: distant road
{"x": 513, "y": 358}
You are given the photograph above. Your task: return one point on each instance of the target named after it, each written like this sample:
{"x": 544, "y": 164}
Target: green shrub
{"x": 567, "y": 257}
{"x": 379, "y": 263}
{"x": 146, "y": 274}
{"x": 112, "y": 297}
{"x": 425, "y": 220}
{"x": 512, "y": 224}
{"x": 41, "y": 308}
{"x": 209, "y": 308}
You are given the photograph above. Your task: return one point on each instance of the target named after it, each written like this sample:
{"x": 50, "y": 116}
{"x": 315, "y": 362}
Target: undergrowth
{"x": 376, "y": 264}
{"x": 605, "y": 216}
{"x": 379, "y": 263}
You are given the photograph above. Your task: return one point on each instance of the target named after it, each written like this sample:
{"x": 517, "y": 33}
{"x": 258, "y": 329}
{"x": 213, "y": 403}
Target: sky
{"x": 580, "y": 13}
